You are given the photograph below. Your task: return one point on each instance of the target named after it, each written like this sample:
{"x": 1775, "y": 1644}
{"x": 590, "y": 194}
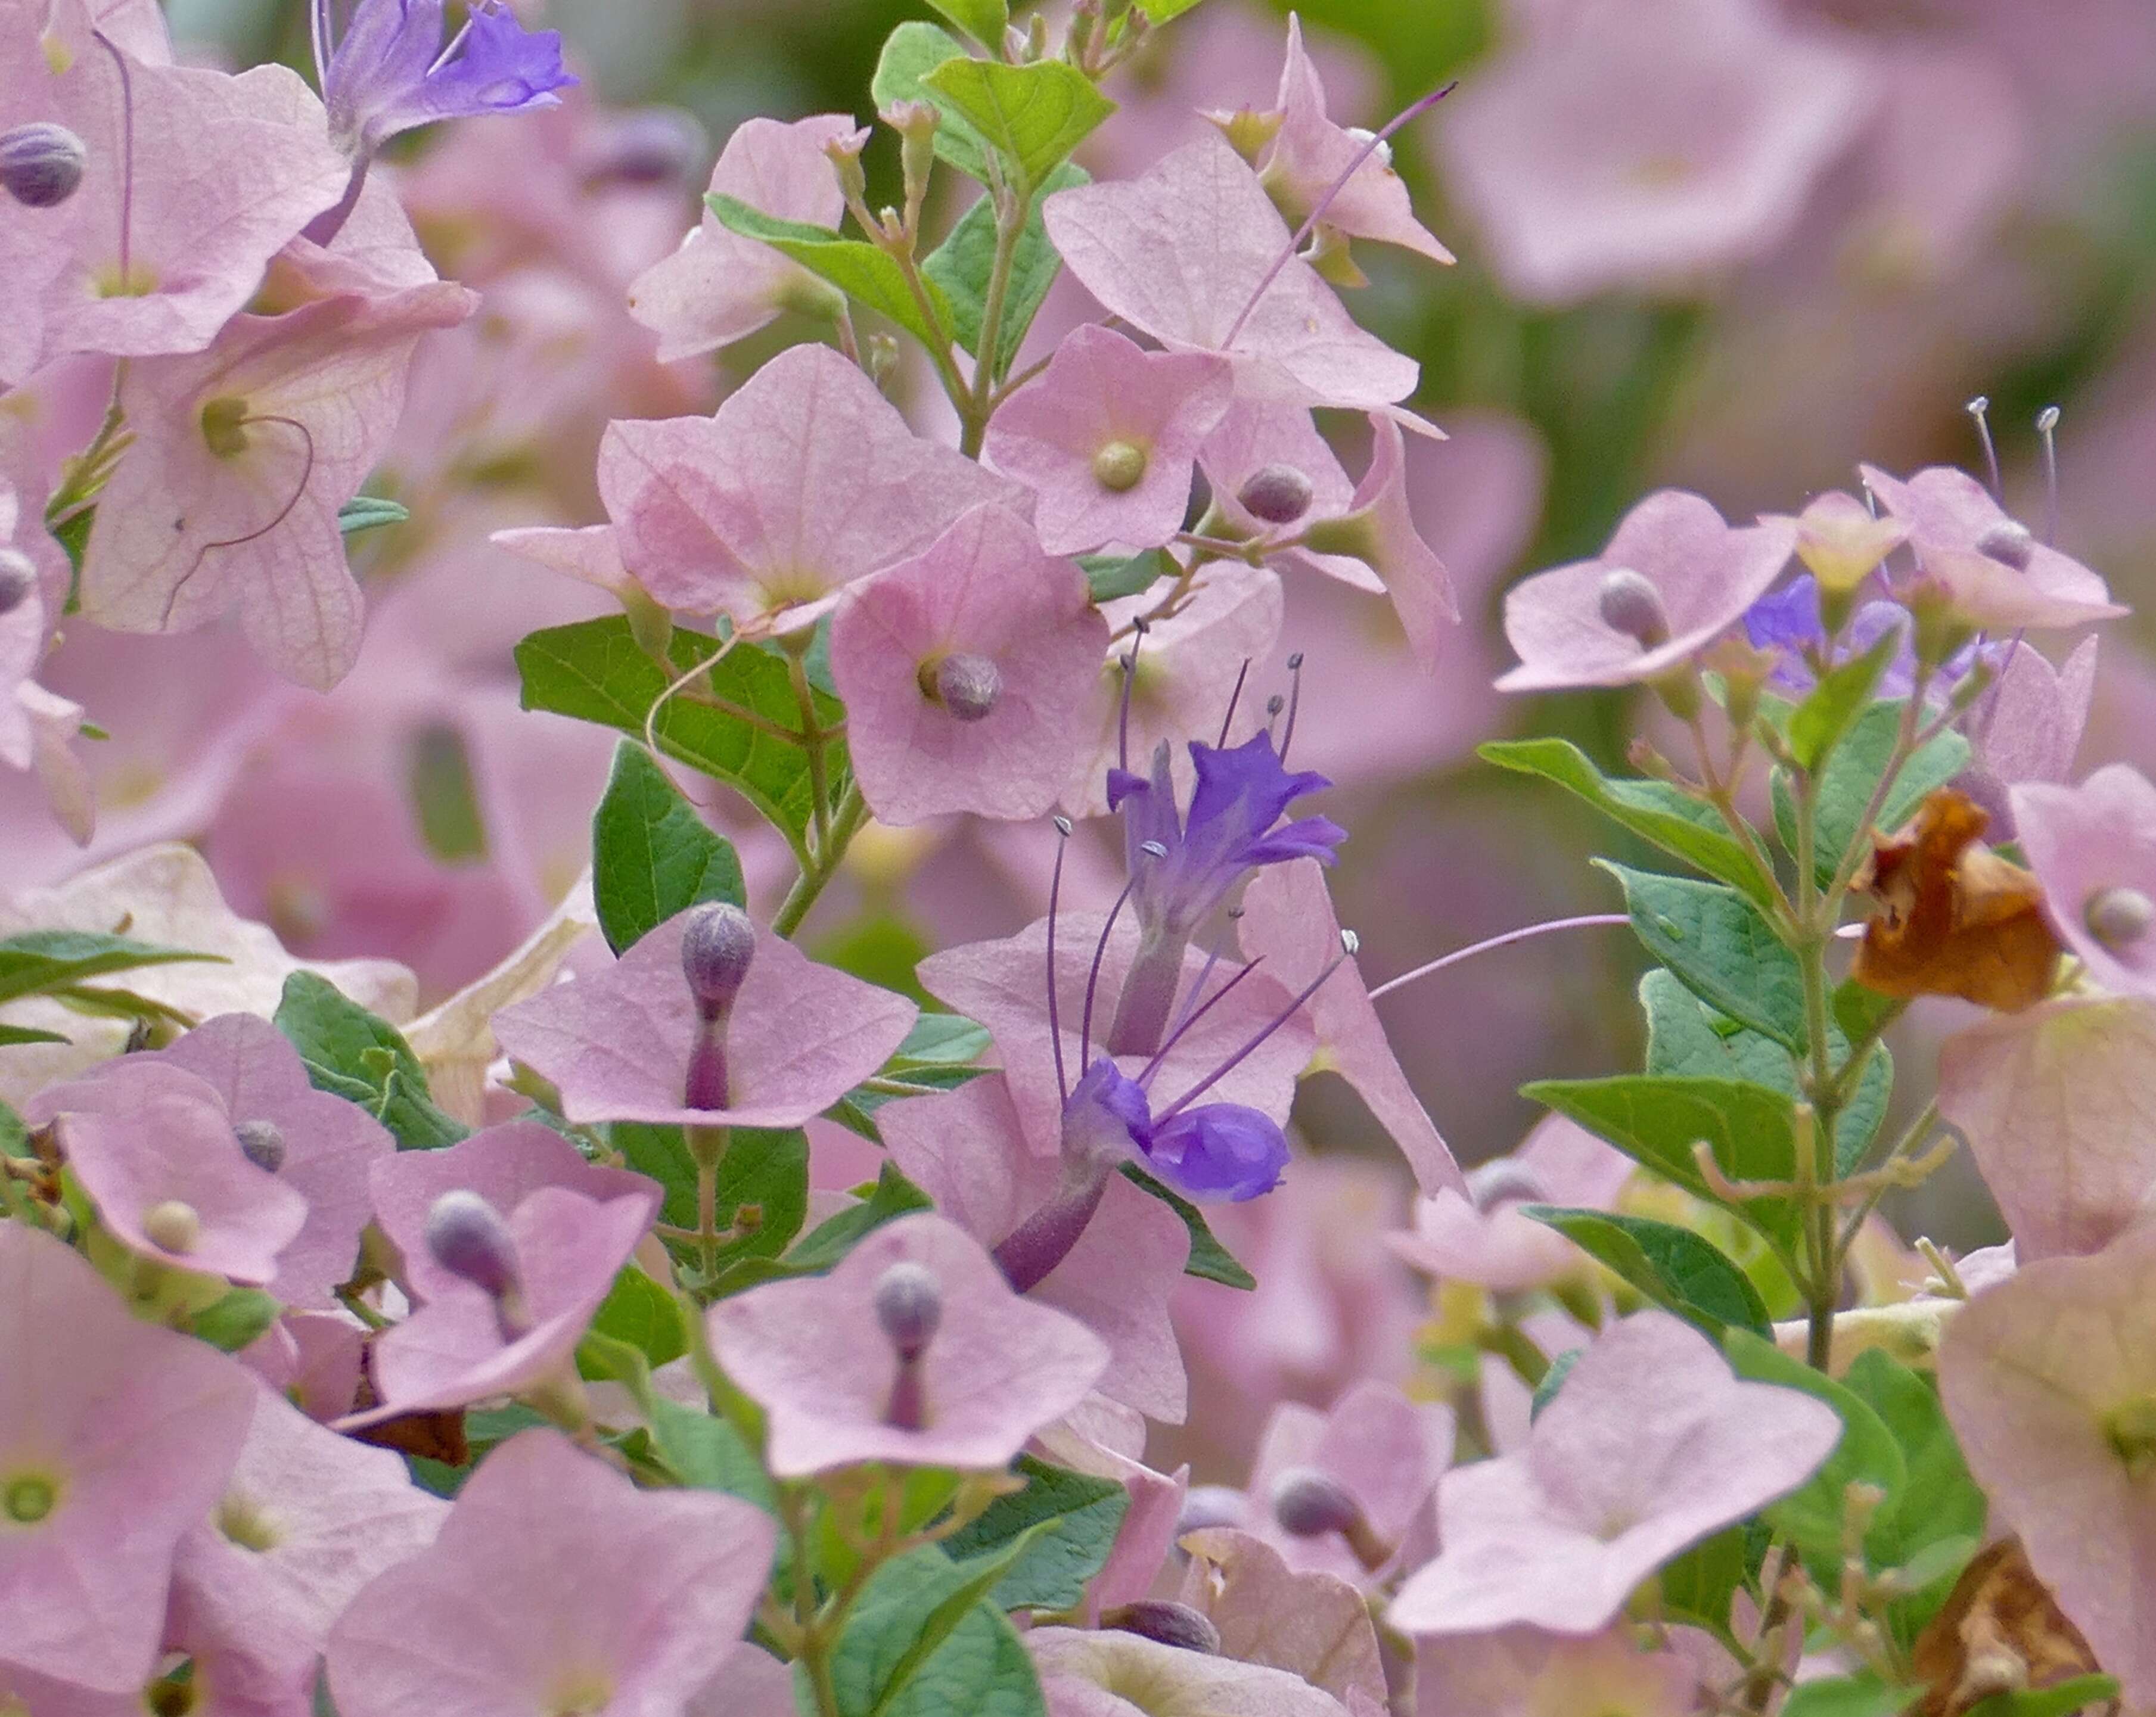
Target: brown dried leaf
{"x": 1999, "y": 1632}
{"x": 1953, "y": 918}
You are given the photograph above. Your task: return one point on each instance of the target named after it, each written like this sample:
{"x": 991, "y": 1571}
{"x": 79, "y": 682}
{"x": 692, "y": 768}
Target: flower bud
{"x": 1308, "y": 1503}
{"x": 2118, "y": 918}
{"x": 1209, "y": 1505}
{"x": 909, "y": 1304}
{"x": 716, "y": 947}
{"x": 1629, "y": 603}
{"x": 1119, "y": 465}
{"x": 653, "y": 145}
{"x": 1167, "y": 1622}
{"x": 2012, "y": 543}
{"x": 1279, "y": 495}
{"x": 263, "y": 1143}
{"x": 967, "y": 685}
{"x": 40, "y": 163}
{"x": 469, "y": 1239}
{"x": 1502, "y": 1180}
{"x": 18, "y": 578}
{"x": 172, "y": 1226}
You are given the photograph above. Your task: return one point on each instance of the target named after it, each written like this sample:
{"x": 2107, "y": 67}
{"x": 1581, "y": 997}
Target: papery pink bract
{"x": 307, "y": 1519}
{"x": 2060, "y": 1113}
{"x": 2083, "y": 842}
{"x": 720, "y": 287}
{"x": 134, "y": 1430}
{"x": 1110, "y": 1674}
{"x": 1650, "y": 1444}
{"x": 616, "y": 1043}
{"x": 1524, "y": 1672}
{"x": 1384, "y": 534}
{"x": 139, "y": 1136}
{"x": 1178, "y": 254}
{"x": 734, "y": 513}
{"x": 983, "y": 590}
{"x": 813, "y": 1355}
{"x": 2049, "y": 1379}
{"x": 330, "y": 1144}
{"x": 311, "y": 1359}
{"x": 1306, "y": 1622}
{"x": 1258, "y": 434}
{"x": 1704, "y": 572}
{"x": 966, "y": 1150}
{"x": 1102, "y": 391}
{"x": 1581, "y": 186}
{"x": 307, "y": 401}
{"x": 556, "y": 1584}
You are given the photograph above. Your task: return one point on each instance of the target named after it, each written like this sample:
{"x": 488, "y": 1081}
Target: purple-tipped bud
{"x": 40, "y": 163}
{"x": 1629, "y": 603}
{"x": 469, "y": 1239}
{"x": 1279, "y": 495}
{"x": 909, "y": 1304}
{"x": 1209, "y": 1506}
{"x": 1309, "y": 1503}
{"x": 653, "y": 146}
{"x": 716, "y": 947}
{"x": 1169, "y": 1623}
{"x": 967, "y": 685}
{"x": 1502, "y": 1180}
{"x": 2012, "y": 543}
{"x": 2118, "y": 918}
{"x": 263, "y": 1143}
{"x": 18, "y": 579}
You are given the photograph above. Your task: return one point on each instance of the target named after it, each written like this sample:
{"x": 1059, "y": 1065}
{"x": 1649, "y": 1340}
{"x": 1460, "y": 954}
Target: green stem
{"x": 1010, "y": 227}
{"x": 845, "y": 823}
{"x": 708, "y": 1146}
{"x": 812, "y": 737}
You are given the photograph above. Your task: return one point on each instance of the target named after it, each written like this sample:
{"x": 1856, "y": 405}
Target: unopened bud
{"x": 653, "y": 146}
{"x": 1309, "y": 1503}
{"x": 909, "y": 1305}
{"x": 263, "y": 1142}
{"x": 1502, "y": 1180}
{"x": 468, "y": 1239}
{"x": 845, "y": 157}
{"x": 1629, "y": 603}
{"x": 967, "y": 685}
{"x": 172, "y": 1226}
{"x": 1119, "y": 465}
{"x": 1209, "y": 1505}
{"x": 1279, "y": 495}
{"x": 2012, "y": 543}
{"x": 717, "y": 945}
{"x": 1167, "y": 1622}
{"x": 40, "y": 163}
{"x": 2119, "y": 917}
{"x": 18, "y": 579}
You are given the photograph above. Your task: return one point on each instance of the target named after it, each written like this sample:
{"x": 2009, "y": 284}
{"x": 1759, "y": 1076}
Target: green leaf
{"x": 939, "y": 1040}
{"x": 865, "y": 272}
{"x": 1034, "y": 115}
{"x": 961, "y": 264}
{"x": 1750, "y": 1130}
{"x": 1159, "y": 12}
{"x": 708, "y": 1453}
{"x": 1818, "y": 723}
{"x": 605, "y": 1358}
{"x": 909, "y": 53}
{"x": 1208, "y": 1258}
{"x": 638, "y": 1311}
{"x": 29, "y": 1034}
{"x": 14, "y": 1135}
{"x": 1725, "y": 952}
{"x": 1939, "y": 1507}
{"x": 1851, "y": 774}
{"x": 1673, "y": 1267}
{"x": 1080, "y": 1516}
{"x": 1108, "y": 576}
{"x": 369, "y": 512}
{"x": 39, "y": 960}
{"x": 984, "y": 20}
{"x": 1653, "y": 810}
{"x": 2062, "y": 1700}
{"x": 921, "y": 1642}
{"x": 652, "y": 855}
{"x": 831, "y": 1239}
{"x": 1700, "y": 1583}
{"x": 362, "y": 1058}
{"x": 595, "y": 672}
{"x": 762, "y": 1167}
{"x": 1811, "y": 1515}
{"x": 1862, "y": 1695}
{"x": 236, "y": 1318}
{"x": 1560, "y": 1368}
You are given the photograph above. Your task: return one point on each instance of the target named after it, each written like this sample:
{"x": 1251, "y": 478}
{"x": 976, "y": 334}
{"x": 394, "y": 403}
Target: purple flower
{"x": 391, "y": 72}
{"x": 1219, "y": 1150}
{"x": 1786, "y": 621}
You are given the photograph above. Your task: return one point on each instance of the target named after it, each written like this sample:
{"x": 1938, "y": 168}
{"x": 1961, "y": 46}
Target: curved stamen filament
{"x": 306, "y": 437}
{"x": 1055, "y": 1021}
{"x": 1093, "y": 977}
{"x": 1506, "y": 940}
{"x": 1236, "y": 1060}
{"x": 1192, "y": 1016}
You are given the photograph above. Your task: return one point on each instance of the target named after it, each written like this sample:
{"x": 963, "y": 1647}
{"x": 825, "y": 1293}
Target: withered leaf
{"x": 1999, "y": 1632}
{"x": 1953, "y": 918}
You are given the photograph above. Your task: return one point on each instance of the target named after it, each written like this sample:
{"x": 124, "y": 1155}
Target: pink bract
{"x": 983, "y": 590}
{"x": 1524, "y": 1672}
{"x": 1308, "y": 1622}
{"x": 720, "y": 287}
{"x": 616, "y": 1043}
{"x": 2084, "y": 842}
{"x": 1651, "y": 1444}
{"x": 1703, "y": 572}
{"x": 1101, "y": 397}
{"x": 556, "y": 1584}
{"x": 732, "y": 514}
{"x": 132, "y": 1431}
{"x": 1114, "y": 1674}
{"x": 814, "y": 1356}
